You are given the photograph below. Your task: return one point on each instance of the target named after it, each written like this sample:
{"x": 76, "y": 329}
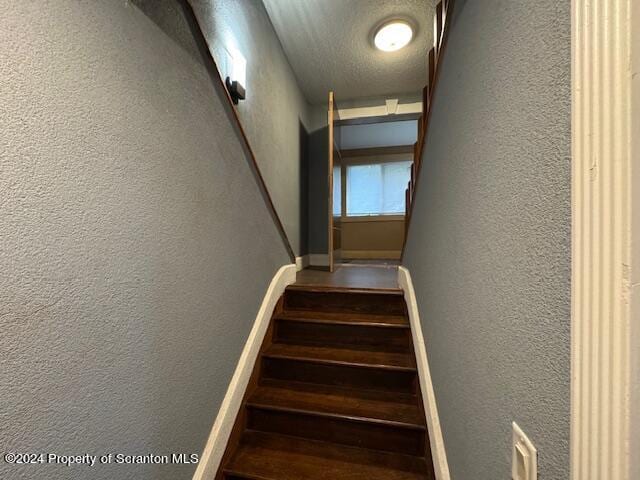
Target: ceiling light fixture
{"x": 393, "y": 35}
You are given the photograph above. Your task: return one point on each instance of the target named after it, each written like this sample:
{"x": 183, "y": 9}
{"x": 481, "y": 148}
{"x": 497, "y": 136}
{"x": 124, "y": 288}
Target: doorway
{"x": 375, "y": 172}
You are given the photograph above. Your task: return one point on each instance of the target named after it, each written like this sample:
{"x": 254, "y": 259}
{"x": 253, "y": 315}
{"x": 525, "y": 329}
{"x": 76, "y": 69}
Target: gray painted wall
{"x": 385, "y": 134}
{"x": 489, "y": 244}
{"x": 318, "y": 191}
{"x": 275, "y": 105}
{"x": 130, "y": 274}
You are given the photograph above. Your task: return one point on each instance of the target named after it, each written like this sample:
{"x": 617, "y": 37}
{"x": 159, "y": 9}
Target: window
{"x": 377, "y": 189}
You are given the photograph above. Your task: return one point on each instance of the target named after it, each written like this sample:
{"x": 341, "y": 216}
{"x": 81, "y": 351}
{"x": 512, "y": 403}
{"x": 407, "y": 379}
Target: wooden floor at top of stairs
{"x": 361, "y": 277}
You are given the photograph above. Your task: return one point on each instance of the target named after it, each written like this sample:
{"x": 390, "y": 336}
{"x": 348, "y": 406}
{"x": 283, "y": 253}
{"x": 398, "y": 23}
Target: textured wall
{"x": 489, "y": 244}
{"x": 130, "y": 273}
{"x": 274, "y": 106}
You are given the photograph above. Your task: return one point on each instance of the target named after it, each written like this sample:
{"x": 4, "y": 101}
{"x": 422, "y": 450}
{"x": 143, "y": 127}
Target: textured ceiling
{"x": 329, "y": 45}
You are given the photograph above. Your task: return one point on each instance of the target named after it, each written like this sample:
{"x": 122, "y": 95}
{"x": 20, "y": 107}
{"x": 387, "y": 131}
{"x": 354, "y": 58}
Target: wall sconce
{"x": 236, "y": 90}
{"x": 236, "y": 80}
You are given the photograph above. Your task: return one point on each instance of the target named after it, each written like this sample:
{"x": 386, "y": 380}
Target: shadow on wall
{"x": 304, "y": 189}
{"x": 169, "y": 15}
{"x": 318, "y": 188}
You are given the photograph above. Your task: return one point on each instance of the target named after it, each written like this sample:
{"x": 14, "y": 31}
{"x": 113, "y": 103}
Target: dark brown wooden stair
{"x": 334, "y": 393}
{"x": 269, "y": 457}
{"x": 346, "y": 331}
{"x": 351, "y": 357}
{"x": 378, "y": 406}
{"x": 347, "y": 319}
{"x": 349, "y": 301}
{"x": 372, "y": 419}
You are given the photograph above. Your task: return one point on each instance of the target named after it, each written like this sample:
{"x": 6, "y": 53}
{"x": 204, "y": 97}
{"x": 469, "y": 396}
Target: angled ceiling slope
{"x": 329, "y": 45}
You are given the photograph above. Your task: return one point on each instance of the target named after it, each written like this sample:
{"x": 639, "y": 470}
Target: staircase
{"x": 334, "y": 394}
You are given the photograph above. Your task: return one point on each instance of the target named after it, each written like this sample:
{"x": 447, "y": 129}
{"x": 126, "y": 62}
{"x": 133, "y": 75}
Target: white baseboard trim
{"x": 319, "y": 259}
{"x": 217, "y": 442}
{"x": 436, "y": 440}
{"x": 302, "y": 262}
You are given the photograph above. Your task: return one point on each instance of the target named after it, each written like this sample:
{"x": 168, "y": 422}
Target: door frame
{"x": 330, "y": 121}
{"x": 333, "y": 116}
{"x": 605, "y": 306}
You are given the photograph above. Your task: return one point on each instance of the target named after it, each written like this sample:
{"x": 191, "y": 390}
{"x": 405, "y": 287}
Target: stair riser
{"x": 380, "y": 338}
{"x": 340, "y": 375}
{"x": 348, "y": 302}
{"x": 344, "y": 432}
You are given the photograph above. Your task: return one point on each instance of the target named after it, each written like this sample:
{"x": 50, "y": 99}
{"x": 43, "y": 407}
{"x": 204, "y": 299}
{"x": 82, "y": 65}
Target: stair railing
{"x": 211, "y": 65}
{"x": 441, "y": 26}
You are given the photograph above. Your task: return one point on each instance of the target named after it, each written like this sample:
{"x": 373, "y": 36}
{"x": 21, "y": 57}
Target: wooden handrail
{"x": 437, "y": 26}
{"x": 212, "y": 67}
{"x": 442, "y": 24}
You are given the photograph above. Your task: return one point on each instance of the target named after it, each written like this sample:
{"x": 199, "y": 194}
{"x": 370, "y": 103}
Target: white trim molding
{"x": 634, "y": 17}
{"x": 436, "y": 440}
{"x": 601, "y": 239}
{"x": 302, "y": 262}
{"x": 219, "y": 436}
{"x": 379, "y": 110}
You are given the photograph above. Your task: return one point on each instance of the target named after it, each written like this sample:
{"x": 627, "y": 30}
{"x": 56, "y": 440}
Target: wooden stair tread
{"x": 340, "y": 300}
{"x": 393, "y": 321}
{"x": 395, "y": 292}
{"x": 378, "y": 407}
{"x": 352, "y": 356}
{"x": 264, "y": 456}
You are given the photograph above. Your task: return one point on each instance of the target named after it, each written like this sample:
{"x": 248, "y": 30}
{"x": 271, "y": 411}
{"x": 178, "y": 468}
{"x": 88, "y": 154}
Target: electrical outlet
{"x": 524, "y": 464}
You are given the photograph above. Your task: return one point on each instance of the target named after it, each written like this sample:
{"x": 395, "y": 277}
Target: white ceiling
{"x": 329, "y": 46}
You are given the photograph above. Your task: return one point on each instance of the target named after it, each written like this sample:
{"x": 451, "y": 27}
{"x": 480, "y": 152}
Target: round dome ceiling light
{"x": 393, "y": 35}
